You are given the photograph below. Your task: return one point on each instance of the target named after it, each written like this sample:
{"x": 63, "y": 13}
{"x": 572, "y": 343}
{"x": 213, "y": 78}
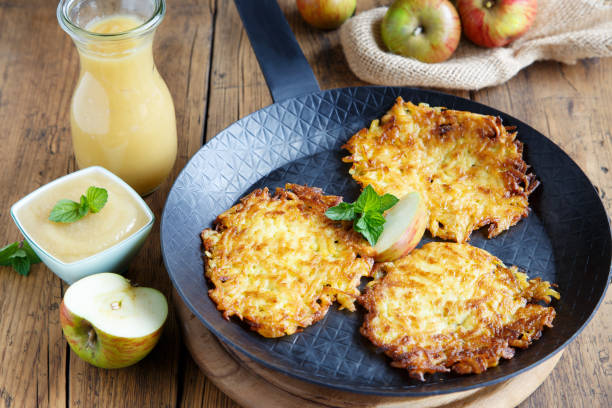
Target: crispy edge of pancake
{"x": 312, "y": 202}
{"x": 515, "y": 175}
{"x": 520, "y": 333}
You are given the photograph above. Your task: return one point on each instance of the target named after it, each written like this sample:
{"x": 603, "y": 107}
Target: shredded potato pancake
{"x": 453, "y": 306}
{"x": 468, "y": 167}
{"x": 279, "y": 263}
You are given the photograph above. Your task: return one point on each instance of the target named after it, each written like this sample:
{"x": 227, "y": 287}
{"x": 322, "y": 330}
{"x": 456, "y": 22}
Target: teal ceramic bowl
{"x": 113, "y": 259}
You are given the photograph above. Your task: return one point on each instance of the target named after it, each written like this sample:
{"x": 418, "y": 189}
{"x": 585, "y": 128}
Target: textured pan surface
{"x": 565, "y": 240}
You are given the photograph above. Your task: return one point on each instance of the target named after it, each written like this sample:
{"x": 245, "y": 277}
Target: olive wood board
{"x": 253, "y": 385}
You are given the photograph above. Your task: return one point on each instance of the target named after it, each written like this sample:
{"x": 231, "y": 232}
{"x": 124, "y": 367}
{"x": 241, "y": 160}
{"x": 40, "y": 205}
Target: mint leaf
{"x": 19, "y": 258}
{"x": 96, "y": 197}
{"x": 370, "y": 226}
{"x": 7, "y": 252}
{"x": 343, "y": 211}
{"x": 20, "y": 253}
{"x": 374, "y": 219}
{"x": 361, "y": 224}
{"x": 368, "y": 200}
{"x": 33, "y": 258}
{"x": 66, "y": 211}
{"x": 387, "y": 201}
{"x": 372, "y": 234}
{"x": 83, "y": 207}
{"x": 21, "y": 264}
{"x": 366, "y": 213}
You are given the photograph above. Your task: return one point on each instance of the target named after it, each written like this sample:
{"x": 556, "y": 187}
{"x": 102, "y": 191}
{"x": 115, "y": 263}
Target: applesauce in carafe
{"x": 122, "y": 116}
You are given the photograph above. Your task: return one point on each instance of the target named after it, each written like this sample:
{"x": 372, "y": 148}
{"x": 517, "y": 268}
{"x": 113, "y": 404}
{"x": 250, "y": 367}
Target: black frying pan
{"x": 566, "y": 239}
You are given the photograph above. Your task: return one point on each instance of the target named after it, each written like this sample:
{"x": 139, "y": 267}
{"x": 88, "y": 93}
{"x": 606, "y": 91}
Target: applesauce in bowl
{"x": 98, "y": 242}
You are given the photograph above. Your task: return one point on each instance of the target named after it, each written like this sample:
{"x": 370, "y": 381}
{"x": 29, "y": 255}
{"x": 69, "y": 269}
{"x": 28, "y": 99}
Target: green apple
{"x": 326, "y": 14}
{"x": 428, "y": 30}
{"x": 404, "y": 227}
{"x": 110, "y": 323}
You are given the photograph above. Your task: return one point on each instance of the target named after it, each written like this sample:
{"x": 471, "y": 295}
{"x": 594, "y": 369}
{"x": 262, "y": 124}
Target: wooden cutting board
{"x": 252, "y": 385}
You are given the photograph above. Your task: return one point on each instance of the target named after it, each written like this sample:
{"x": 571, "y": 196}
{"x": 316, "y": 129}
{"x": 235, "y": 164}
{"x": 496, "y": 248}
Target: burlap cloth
{"x": 564, "y": 30}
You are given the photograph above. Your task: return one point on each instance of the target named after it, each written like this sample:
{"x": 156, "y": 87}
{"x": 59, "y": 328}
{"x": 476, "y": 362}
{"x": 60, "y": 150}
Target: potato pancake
{"x": 278, "y": 262}
{"x": 468, "y": 167}
{"x": 453, "y": 306}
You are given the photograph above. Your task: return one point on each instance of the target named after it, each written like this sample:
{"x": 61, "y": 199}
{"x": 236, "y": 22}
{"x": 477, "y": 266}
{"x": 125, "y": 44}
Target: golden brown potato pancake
{"x": 468, "y": 167}
{"x": 278, "y": 262}
{"x": 453, "y": 306}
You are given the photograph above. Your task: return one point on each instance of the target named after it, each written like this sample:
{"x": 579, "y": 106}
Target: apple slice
{"x": 404, "y": 227}
{"x": 110, "y": 323}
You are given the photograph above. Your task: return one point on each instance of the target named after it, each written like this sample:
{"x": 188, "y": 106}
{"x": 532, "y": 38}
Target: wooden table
{"x": 206, "y": 59}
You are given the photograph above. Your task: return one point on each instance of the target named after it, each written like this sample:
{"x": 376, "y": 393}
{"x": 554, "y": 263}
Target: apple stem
{"x": 489, "y": 4}
{"x": 417, "y": 31}
{"x": 91, "y": 338}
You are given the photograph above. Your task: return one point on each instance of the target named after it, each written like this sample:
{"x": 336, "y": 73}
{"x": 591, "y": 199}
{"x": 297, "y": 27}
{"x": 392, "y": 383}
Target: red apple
{"x": 495, "y": 23}
{"x": 326, "y": 14}
{"x": 428, "y": 30}
{"x": 404, "y": 227}
{"x": 109, "y": 323}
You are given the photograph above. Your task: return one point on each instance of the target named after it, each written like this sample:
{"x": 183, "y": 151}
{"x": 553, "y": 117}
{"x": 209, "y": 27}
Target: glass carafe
{"x": 121, "y": 115}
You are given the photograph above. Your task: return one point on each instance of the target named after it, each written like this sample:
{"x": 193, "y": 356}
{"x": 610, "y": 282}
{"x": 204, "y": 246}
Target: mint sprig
{"x": 20, "y": 256}
{"x": 96, "y": 198}
{"x": 366, "y": 213}
{"x": 67, "y": 211}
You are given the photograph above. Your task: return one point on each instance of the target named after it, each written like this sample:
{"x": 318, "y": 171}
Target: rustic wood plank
{"x": 194, "y": 384}
{"x": 34, "y": 136}
{"x": 571, "y": 105}
{"x": 182, "y": 54}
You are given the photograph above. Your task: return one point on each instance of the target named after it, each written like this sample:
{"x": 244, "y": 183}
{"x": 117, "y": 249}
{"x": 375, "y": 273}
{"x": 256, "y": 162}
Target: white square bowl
{"x": 113, "y": 259}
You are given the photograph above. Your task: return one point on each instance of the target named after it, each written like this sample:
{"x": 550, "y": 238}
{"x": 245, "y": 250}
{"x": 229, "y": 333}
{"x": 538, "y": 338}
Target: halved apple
{"x": 110, "y": 323}
{"x": 404, "y": 227}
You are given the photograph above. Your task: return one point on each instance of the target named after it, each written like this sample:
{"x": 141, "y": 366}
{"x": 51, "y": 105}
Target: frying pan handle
{"x": 279, "y": 55}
